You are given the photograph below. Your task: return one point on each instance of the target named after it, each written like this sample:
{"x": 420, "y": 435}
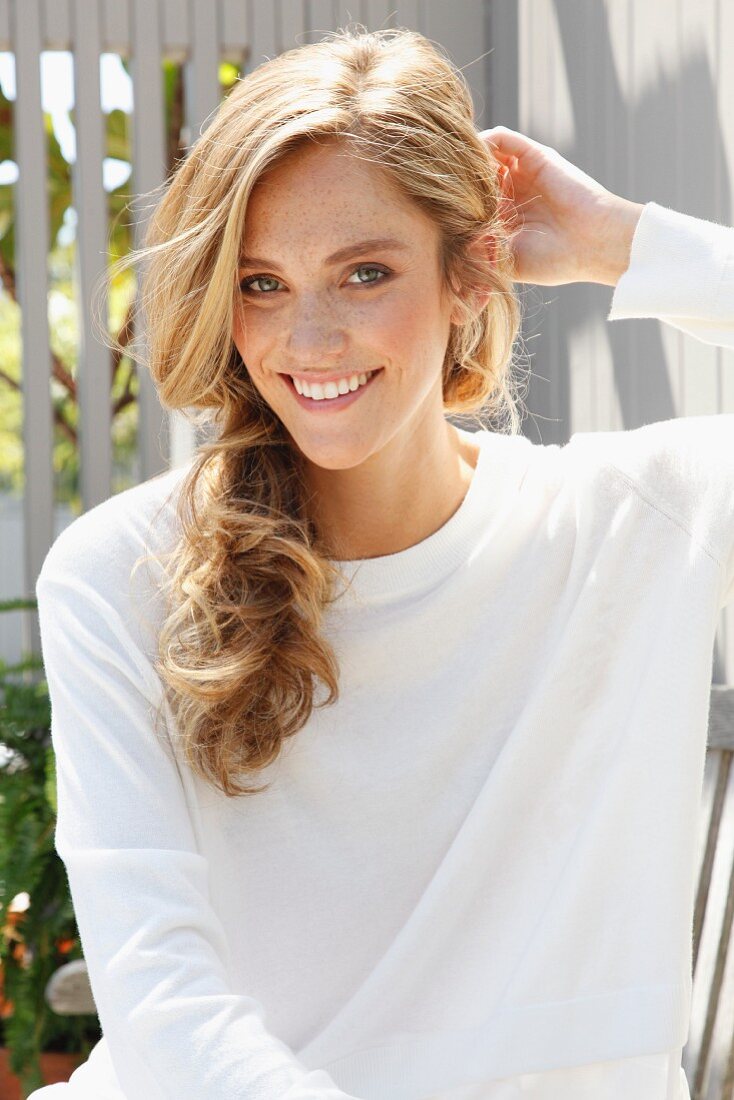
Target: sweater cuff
{"x": 680, "y": 266}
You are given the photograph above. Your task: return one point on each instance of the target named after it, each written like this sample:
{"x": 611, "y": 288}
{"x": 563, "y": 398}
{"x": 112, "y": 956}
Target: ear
{"x": 483, "y": 248}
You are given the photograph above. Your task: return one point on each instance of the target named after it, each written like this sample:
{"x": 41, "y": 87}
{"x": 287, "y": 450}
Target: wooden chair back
{"x": 708, "y": 1057}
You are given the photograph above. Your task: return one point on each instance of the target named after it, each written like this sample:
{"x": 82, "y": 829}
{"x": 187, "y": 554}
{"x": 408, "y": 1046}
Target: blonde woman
{"x": 380, "y": 778}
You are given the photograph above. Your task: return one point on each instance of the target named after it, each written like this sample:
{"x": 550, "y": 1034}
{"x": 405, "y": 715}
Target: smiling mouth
{"x": 341, "y": 400}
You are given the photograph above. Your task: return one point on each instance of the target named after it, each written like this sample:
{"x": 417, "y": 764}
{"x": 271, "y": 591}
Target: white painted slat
{"x": 501, "y": 64}
{"x": 347, "y": 12}
{"x": 409, "y": 13}
{"x": 32, "y": 222}
{"x": 648, "y": 377}
{"x": 724, "y": 212}
{"x": 570, "y": 29}
{"x": 547, "y": 396}
{"x": 56, "y": 24}
{"x": 718, "y": 1045}
{"x": 202, "y": 97}
{"x": 321, "y": 18}
{"x": 116, "y": 27}
{"x": 93, "y": 363}
{"x": 263, "y": 33}
{"x": 235, "y": 33}
{"x": 292, "y": 24}
{"x": 176, "y": 27}
{"x": 721, "y": 1072}
{"x": 699, "y": 127}
{"x": 613, "y": 342}
{"x": 464, "y": 40}
{"x": 148, "y": 172}
{"x": 5, "y": 25}
{"x": 378, "y": 14}
{"x": 705, "y": 956}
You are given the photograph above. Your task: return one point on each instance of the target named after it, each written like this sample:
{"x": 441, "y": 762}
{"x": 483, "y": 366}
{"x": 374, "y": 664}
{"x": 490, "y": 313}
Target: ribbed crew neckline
{"x": 501, "y": 463}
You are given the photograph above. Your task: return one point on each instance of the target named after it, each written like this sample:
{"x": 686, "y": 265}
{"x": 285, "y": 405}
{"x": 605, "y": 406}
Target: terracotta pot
{"x": 55, "y": 1067}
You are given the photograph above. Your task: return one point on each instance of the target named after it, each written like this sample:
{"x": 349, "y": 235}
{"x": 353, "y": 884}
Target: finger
{"x": 507, "y": 142}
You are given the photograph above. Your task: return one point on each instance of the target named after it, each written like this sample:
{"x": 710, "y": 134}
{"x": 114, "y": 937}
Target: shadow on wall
{"x": 665, "y": 143}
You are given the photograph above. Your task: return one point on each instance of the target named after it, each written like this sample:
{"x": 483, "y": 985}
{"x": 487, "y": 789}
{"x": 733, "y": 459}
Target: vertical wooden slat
{"x": 234, "y": 32}
{"x": 698, "y": 126}
{"x": 93, "y": 362}
{"x": 321, "y": 16}
{"x": 56, "y": 24}
{"x": 705, "y": 917}
{"x": 148, "y": 172}
{"x": 378, "y": 14}
{"x": 725, "y": 213}
{"x": 546, "y": 395}
{"x": 501, "y": 65}
{"x": 292, "y": 24}
{"x": 202, "y": 97}
{"x": 408, "y": 14}
{"x": 32, "y": 232}
{"x": 5, "y": 43}
{"x": 116, "y": 27}
{"x": 176, "y": 17}
{"x": 721, "y": 1072}
{"x": 612, "y": 341}
{"x": 263, "y": 32}
{"x": 569, "y": 28}
{"x": 346, "y": 12}
{"x": 463, "y": 40}
{"x": 715, "y": 1042}
{"x": 648, "y": 375}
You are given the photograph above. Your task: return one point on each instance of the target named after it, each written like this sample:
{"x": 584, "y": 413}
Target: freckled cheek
{"x": 389, "y": 330}
{"x": 411, "y": 333}
{"x": 252, "y": 341}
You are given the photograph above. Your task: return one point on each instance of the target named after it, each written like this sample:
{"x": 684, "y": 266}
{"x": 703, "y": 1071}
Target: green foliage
{"x": 34, "y": 943}
{"x": 63, "y": 309}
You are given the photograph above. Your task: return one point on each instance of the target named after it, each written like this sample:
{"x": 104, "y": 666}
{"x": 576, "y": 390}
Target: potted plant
{"x": 38, "y": 931}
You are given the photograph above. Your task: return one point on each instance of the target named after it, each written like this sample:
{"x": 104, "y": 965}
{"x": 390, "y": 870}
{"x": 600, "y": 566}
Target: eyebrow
{"x": 341, "y": 254}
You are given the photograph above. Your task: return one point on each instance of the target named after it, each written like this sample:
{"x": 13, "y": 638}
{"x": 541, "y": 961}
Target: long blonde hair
{"x": 240, "y": 651}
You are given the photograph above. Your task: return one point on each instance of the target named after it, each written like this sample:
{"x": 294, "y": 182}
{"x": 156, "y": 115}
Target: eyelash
{"x": 246, "y": 284}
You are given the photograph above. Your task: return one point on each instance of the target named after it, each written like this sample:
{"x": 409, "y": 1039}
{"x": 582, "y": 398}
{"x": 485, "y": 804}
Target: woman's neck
{"x": 396, "y": 499}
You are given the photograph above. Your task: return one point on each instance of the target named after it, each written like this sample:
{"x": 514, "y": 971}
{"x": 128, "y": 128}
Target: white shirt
{"x": 472, "y": 878}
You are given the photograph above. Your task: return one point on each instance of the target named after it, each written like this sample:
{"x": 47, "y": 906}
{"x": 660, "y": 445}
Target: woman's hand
{"x": 566, "y": 227}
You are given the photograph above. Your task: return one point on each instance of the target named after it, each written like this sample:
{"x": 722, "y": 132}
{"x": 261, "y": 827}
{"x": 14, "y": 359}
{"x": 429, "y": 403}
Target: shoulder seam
{"x": 640, "y": 492}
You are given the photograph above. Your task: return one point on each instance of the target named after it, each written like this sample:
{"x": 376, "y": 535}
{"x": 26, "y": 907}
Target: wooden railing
{"x": 708, "y": 1057}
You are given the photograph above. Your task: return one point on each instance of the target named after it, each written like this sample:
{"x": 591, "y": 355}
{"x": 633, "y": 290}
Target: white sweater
{"x": 471, "y": 877}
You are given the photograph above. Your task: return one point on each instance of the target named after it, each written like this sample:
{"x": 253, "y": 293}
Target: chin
{"x": 333, "y": 455}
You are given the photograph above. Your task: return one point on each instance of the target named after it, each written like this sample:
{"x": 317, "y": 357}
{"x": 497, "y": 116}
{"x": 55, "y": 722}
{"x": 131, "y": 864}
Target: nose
{"x": 315, "y": 333}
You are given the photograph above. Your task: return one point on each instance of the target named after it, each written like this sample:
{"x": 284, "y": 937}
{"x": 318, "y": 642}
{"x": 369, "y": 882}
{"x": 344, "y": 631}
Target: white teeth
{"x": 328, "y": 390}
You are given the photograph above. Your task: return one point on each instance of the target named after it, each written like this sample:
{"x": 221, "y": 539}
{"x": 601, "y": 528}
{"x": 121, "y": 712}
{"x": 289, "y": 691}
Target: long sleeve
{"x": 681, "y": 271}
{"x": 155, "y": 948}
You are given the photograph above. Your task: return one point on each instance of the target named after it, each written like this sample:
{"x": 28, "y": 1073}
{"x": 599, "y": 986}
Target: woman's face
{"x": 340, "y": 277}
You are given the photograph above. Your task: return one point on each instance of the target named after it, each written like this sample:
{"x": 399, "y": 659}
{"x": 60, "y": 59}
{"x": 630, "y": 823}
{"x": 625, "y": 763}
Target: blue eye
{"x": 247, "y": 284}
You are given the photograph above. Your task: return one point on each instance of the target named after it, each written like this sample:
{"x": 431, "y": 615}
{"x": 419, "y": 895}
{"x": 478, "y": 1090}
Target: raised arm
{"x": 566, "y": 227}
{"x": 681, "y": 271}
